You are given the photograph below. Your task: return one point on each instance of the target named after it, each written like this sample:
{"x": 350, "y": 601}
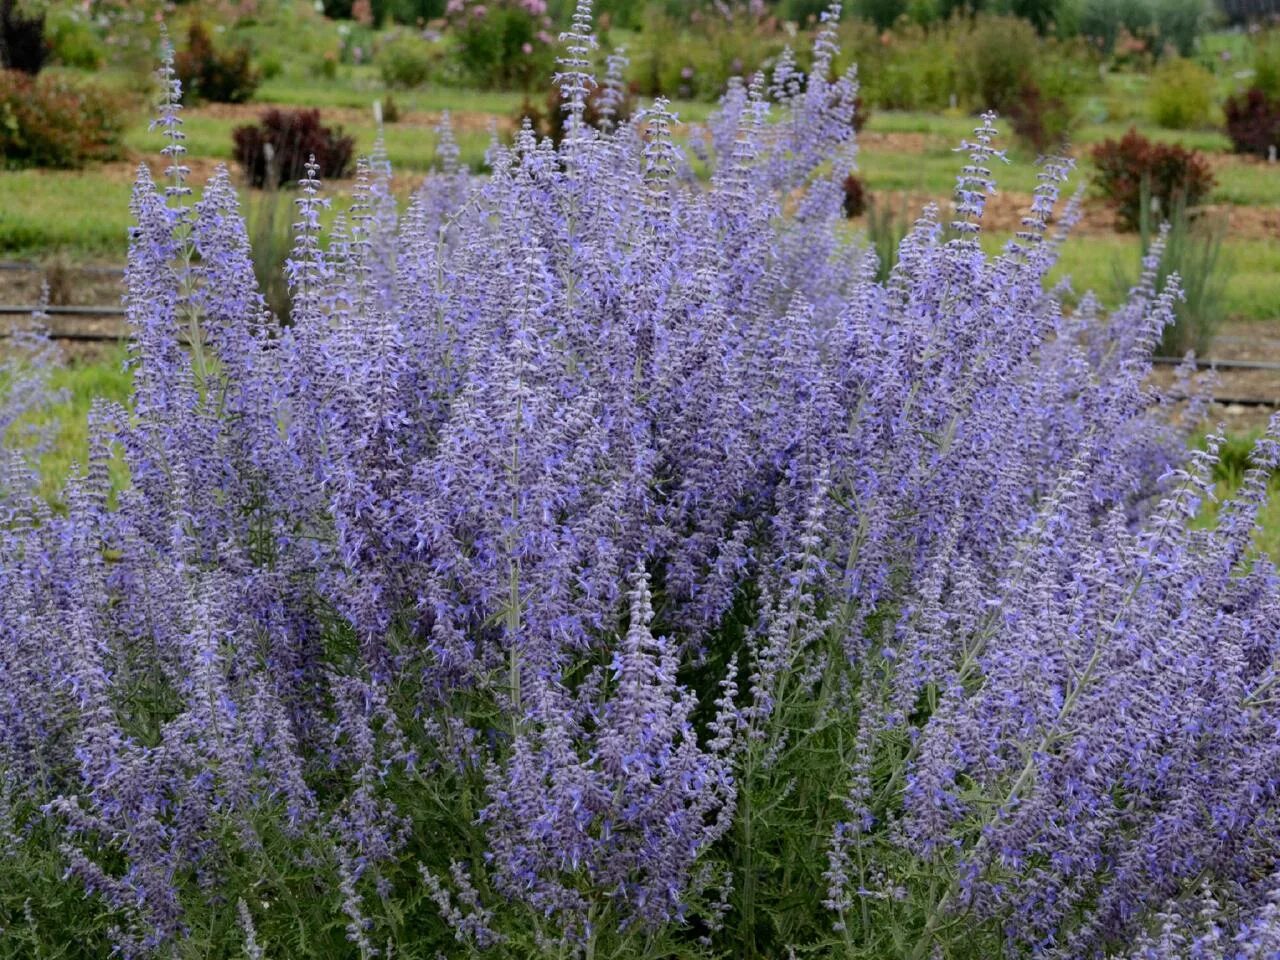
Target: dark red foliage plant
{"x": 293, "y": 136}
{"x": 855, "y": 196}
{"x": 1253, "y": 121}
{"x": 1172, "y": 174}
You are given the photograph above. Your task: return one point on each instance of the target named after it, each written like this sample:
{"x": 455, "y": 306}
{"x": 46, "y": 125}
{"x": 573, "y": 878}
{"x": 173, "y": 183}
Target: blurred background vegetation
{"x": 1171, "y": 109}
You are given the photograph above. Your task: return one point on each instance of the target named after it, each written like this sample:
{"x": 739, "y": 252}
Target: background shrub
{"x": 223, "y": 76}
{"x": 1179, "y": 23}
{"x": 1133, "y": 165}
{"x": 73, "y": 42}
{"x": 855, "y": 196}
{"x": 1253, "y": 121}
{"x": 695, "y": 60}
{"x": 22, "y": 41}
{"x": 1181, "y": 94}
{"x": 911, "y": 69}
{"x": 507, "y": 44}
{"x": 1105, "y": 21}
{"x": 1003, "y": 65}
{"x": 1266, "y": 62}
{"x": 49, "y": 121}
{"x": 995, "y": 61}
{"x": 293, "y": 136}
{"x": 405, "y": 62}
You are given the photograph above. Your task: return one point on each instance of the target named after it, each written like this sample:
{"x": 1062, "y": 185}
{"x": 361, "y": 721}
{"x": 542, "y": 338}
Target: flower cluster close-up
{"x": 602, "y": 562}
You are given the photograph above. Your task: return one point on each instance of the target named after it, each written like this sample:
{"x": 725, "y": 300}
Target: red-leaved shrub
{"x": 293, "y": 136}
{"x": 1172, "y": 174}
{"x": 1253, "y": 121}
{"x": 47, "y": 121}
{"x": 855, "y": 196}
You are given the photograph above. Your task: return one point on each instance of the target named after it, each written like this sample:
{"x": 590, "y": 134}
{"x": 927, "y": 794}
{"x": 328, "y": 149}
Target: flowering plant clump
{"x": 502, "y": 43}
{"x": 603, "y": 563}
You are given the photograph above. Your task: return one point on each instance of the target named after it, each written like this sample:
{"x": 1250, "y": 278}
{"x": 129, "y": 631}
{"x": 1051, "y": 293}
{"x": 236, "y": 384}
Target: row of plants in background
{"x": 52, "y": 121}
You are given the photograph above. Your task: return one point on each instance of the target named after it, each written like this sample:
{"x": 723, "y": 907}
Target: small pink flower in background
{"x": 526, "y": 48}
{"x": 455, "y": 6}
{"x": 544, "y": 37}
{"x": 479, "y": 10}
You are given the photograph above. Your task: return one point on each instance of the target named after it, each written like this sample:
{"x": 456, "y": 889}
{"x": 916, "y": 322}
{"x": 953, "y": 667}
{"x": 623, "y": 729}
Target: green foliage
{"x": 269, "y": 221}
{"x": 73, "y": 42}
{"x": 1155, "y": 24}
{"x": 505, "y": 46}
{"x": 912, "y": 68}
{"x": 413, "y": 11}
{"x": 695, "y": 60}
{"x": 1179, "y": 23}
{"x": 1192, "y": 251}
{"x": 1181, "y": 94}
{"x": 995, "y": 60}
{"x": 49, "y": 121}
{"x": 1266, "y": 63}
{"x": 1104, "y": 21}
{"x": 407, "y": 62}
{"x": 887, "y": 224}
{"x": 883, "y": 13}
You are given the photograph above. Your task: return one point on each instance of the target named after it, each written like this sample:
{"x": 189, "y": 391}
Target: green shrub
{"x": 405, "y": 62}
{"x": 412, "y": 11}
{"x": 883, "y": 13}
{"x": 270, "y": 66}
{"x": 995, "y": 61}
{"x": 207, "y": 73}
{"x": 912, "y": 68}
{"x": 1181, "y": 94}
{"x": 73, "y": 42}
{"x": 1105, "y": 21}
{"x": 48, "y": 121}
{"x": 1179, "y": 23}
{"x": 1266, "y": 63}
{"x": 505, "y": 44}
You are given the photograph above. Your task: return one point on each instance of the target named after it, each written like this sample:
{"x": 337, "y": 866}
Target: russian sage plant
{"x": 602, "y": 562}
